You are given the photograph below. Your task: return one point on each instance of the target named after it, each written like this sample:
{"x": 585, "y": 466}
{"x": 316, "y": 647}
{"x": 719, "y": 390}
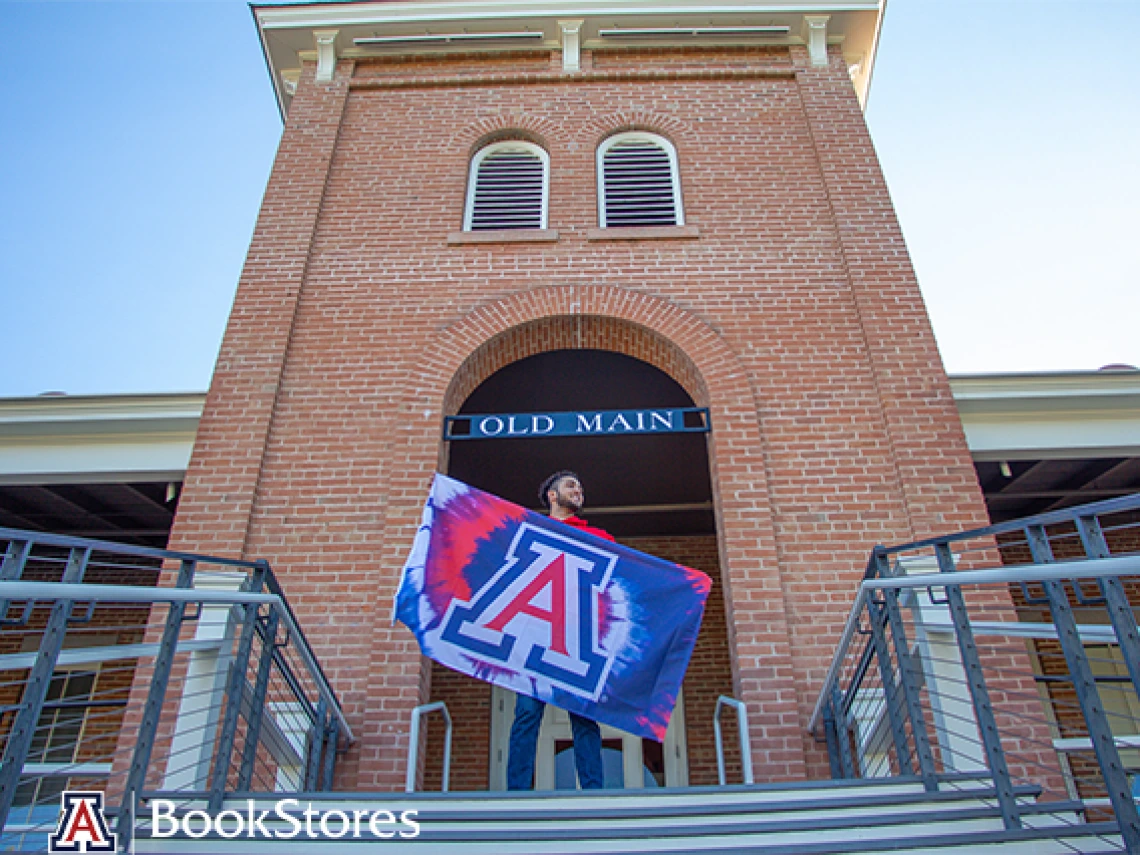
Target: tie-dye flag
{"x": 517, "y": 599}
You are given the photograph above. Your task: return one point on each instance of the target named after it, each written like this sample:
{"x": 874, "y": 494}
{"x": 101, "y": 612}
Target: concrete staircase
{"x": 816, "y": 818}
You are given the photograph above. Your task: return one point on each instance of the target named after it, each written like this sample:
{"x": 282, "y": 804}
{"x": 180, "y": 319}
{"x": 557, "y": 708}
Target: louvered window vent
{"x": 508, "y": 188}
{"x": 639, "y": 182}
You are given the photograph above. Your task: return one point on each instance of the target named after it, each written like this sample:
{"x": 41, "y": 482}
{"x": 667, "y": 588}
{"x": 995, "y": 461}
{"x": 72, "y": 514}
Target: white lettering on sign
{"x": 548, "y": 425}
{"x": 586, "y": 424}
{"x": 666, "y": 419}
{"x": 483, "y": 426}
{"x": 619, "y": 419}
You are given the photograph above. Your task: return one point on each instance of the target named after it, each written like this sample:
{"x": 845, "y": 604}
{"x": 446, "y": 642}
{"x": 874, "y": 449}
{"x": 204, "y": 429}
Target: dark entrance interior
{"x": 635, "y": 485}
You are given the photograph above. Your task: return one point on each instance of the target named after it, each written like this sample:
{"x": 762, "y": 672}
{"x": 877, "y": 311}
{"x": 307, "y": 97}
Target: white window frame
{"x": 640, "y": 136}
{"x": 493, "y": 148}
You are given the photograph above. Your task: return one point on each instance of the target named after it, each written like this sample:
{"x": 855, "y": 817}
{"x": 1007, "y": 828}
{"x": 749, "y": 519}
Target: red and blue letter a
{"x": 82, "y": 826}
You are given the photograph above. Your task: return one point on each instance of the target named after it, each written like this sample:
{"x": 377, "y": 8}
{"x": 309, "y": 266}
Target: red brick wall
{"x": 794, "y": 315}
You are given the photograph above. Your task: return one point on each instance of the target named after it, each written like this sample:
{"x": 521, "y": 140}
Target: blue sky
{"x": 136, "y": 139}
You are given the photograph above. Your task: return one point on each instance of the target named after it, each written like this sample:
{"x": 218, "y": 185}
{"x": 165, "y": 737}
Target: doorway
{"x": 651, "y": 491}
{"x": 630, "y": 762}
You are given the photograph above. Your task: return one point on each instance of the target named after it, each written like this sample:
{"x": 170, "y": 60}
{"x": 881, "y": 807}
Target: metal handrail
{"x": 1102, "y": 508}
{"x": 70, "y": 542}
{"x": 1100, "y": 568}
{"x": 45, "y": 591}
{"x": 414, "y": 745}
{"x": 929, "y": 705}
{"x": 742, "y": 730}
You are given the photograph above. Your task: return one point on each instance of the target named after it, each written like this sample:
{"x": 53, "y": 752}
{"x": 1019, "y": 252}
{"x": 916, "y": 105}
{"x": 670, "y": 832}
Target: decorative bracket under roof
{"x": 326, "y": 54}
{"x": 815, "y": 35}
{"x": 571, "y": 44}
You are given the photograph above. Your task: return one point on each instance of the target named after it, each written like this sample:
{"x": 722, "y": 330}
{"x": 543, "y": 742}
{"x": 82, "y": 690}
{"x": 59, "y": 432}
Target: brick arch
{"x": 609, "y": 317}
{"x": 572, "y": 332}
{"x": 758, "y": 633}
{"x": 600, "y": 128}
{"x": 506, "y": 125}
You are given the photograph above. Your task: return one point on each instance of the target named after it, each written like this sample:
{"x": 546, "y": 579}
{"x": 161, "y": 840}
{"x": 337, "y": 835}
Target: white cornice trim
{"x": 339, "y": 15}
{"x": 286, "y": 31}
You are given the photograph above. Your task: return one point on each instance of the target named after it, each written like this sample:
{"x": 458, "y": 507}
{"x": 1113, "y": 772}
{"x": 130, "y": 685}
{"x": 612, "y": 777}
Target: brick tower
{"x": 747, "y": 260}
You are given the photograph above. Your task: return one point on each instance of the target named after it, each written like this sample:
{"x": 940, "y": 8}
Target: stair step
{"x": 816, "y": 819}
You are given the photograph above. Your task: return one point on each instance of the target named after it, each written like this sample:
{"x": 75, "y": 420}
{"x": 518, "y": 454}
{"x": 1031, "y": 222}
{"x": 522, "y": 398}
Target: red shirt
{"x": 580, "y": 524}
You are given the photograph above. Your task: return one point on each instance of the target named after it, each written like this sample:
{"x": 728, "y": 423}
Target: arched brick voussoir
{"x": 508, "y": 124}
{"x": 721, "y": 380}
{"x": 599, "y": 128}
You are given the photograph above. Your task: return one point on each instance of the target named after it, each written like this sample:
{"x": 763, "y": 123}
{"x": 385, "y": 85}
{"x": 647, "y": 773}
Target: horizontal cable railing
{"x": 140, "y": 673}
{"x": 1008, "y": 653}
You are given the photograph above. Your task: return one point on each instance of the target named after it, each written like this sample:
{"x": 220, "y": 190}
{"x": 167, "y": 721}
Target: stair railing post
{"x": 152, "y": 710}
{"x": 975, "y": 679}
{"x": 846, "y": 761}
{"x": 15, "y": 558}
{"x": 1088, "y": 696}
{"x": 257, "y": 702}
{"x": 908, "y": 672}
{"x": 831, "y": 734}
{"x": 1116, "y": 600}
{"x": 235, "y": 687}
{"x": 314, "y": 742}
{"x": 332, "y": 734}
{"x": 895, "y": 712}
{"x": 35, "y": 691}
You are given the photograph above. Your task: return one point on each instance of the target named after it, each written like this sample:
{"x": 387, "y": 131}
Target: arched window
{"x": 638, "y": 182}
{"x": 508, "y": 187}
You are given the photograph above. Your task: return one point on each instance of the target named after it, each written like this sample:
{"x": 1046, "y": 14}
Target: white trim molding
{"x": 413, "y": 27}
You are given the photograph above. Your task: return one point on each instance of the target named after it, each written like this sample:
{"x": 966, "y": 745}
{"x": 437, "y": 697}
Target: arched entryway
{"x": 652, "y": 492}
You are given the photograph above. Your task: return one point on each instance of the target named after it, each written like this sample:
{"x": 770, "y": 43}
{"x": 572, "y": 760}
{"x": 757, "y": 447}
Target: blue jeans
{"x": 524, "y": 741}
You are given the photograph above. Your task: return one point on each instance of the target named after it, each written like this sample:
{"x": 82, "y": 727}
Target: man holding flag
{"x": 563, "y": 495}
{"x": 554, "y": 610}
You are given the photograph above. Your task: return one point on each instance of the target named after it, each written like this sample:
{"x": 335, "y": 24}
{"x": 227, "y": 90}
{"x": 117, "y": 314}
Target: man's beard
{"x": 568, "y": 504}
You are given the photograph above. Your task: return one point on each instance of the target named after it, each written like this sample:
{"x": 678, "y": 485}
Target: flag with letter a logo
{"x": 523, "y": 601}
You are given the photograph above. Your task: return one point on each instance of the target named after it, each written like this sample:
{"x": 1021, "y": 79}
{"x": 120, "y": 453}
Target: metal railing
{"x": 414, "y": 745}
{"x": 742, "y": 734}
{"x": 1009, "y": 653}
{"x": 142, "y": 673}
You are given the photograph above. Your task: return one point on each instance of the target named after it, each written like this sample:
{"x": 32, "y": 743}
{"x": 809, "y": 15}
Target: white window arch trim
{"x": 674, "y": 172}
{"x": 506, "y": 146}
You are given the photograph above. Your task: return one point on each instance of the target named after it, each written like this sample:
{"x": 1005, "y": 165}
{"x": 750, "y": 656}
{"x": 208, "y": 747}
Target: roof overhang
{"x": 1006, "y": 417}
{"x": 292, "y": 33}
{"x": 97, "y": 438}
{"x": 1050, "y": 416}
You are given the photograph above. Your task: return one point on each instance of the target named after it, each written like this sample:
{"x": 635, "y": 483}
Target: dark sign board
{"x": 590, "y": 423}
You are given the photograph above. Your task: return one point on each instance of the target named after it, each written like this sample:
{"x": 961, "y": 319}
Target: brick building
{"x": 744, "y": 257}
{"x": 777, "y": 293}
